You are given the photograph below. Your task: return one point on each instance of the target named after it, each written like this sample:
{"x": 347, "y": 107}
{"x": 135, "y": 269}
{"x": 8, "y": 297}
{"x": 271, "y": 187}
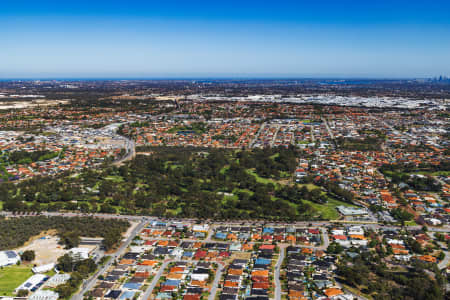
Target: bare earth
{"x": 28, "y": 104}
{"x": 46, "y": 249}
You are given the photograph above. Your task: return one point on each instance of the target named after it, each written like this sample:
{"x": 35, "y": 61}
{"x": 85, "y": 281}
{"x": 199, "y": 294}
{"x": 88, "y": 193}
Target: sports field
{"x": 13, "y": 276}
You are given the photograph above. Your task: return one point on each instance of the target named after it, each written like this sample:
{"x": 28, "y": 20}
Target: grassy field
{"x": 115, "y": 179}
{"x": 438, "y": 173}
{"x": 410, "y": 223}
{"x": 13, "y": 276}
{"x": 275, "y": 155}
{"x": 224, "y": 169}
{"x": 309, "y": 186}
{"x": 328, "y": 210}
{"x": 259, "y": 178}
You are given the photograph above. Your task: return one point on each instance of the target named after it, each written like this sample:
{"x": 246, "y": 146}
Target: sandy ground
{"x": 30, "y": 103}
{"x": 238, "y": 255}
{"x": 46, "y": 249}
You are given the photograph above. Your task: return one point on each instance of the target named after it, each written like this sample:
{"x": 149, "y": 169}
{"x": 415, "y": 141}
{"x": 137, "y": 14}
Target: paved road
{"x": 277, "y": 272}
{"x": 155, "y": 280}
{"x": 445, "y": 262}
{"x": 373, "y": 225}
{"x": 325, "y": 239}
{"x": 252, "y": 143}
{"x": 330, "y": 132}
{"x": 213, "y": 292}
{"x": 359, "y": 297}
{"x": 272, "y": 142}
{"x": 210, "y": 233}
{"x": 313, "y": 138}
{"x": 158, "y": 275}
{"x": 130, "y": 154}
{"x": 78, "y": 214}
{"x": 89, "y": 284}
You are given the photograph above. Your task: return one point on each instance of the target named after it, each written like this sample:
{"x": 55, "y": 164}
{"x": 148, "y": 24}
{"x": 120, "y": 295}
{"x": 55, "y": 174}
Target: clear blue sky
{"x": 224, "y": 38}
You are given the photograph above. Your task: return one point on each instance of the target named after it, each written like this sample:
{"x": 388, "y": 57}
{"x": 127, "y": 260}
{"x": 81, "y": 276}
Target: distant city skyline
{"x": 198, "y": 39}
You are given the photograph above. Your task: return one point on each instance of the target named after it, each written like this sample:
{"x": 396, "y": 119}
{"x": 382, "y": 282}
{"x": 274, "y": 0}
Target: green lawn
{"x": 235, "y": 191}
{"x": 114, "y": 178}
{"x": 13, "y": 276}
{"x": 224, "y": 169}
{"x": 275, "y": 155}
{"x": 50, "y": 273}
{"x": 410, "y": 223}
{"x": 233, "y": 198}
{"x": 438, "y": 173}
{"x": 328, "y": 210}
{"x": 259, "y": 178}
{"x": 309, "y": 186}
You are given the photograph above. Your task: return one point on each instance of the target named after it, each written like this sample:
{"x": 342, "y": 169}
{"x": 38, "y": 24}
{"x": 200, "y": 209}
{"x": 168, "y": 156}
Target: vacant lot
{"x": 46, "y": 248}
{"x": 13, "y": 276}
{"x": 328, "y": 210}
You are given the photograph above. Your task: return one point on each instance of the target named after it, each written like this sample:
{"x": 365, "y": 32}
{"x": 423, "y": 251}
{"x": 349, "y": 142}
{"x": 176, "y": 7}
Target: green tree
{"x": 70, "y": 239}
{"x": 65, "y": 263}
{"x": 28, "y": 255}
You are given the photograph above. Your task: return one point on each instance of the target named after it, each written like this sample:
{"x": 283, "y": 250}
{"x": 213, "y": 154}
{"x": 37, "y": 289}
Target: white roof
{"x": 204, "y": 227}
{"x": 57, "y": 279}
{"x": 44, "y": 295}
{"x": 31, "y": 282}
{"x": 79, "y": 250}
{"x": 8, "y": 257}
{"x": 43, "y": 268}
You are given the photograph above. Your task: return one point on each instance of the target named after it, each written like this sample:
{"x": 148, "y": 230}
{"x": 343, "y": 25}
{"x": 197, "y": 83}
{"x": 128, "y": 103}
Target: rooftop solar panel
{"x": 10, "y": 254}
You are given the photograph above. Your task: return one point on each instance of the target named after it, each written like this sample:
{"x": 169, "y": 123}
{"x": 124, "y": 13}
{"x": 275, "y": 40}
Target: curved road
{"x": 130, "y": 147}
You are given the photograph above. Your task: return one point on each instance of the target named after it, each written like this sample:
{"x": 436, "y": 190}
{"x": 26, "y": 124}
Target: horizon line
{"x": 160, "y": 78}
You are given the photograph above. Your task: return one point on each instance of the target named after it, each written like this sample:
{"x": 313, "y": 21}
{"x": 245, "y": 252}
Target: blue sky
{"x": 42, "y": 39}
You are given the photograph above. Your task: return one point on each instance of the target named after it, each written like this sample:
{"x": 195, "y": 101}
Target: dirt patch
{"x": 238, "y": 255}
{"x": 51, "y": 232}
{"x": 46, "y": 248}
{"x": 29, "y": 104}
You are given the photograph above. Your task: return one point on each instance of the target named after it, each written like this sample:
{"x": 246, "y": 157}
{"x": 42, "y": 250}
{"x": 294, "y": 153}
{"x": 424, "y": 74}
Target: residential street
{"x": 155, "y": 280}
{"x": 277, "y": 272}
{"x": 216, "y": 282}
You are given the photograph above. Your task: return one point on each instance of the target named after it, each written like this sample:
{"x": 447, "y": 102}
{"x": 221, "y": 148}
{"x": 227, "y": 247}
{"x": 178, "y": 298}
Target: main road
{"x": 373, "y": 225}
{"x": 130, "y": 147}
{"x": 89, "y": 283}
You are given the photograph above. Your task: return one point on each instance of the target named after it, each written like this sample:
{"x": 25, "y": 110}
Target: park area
{"x": 13, "y": 276}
